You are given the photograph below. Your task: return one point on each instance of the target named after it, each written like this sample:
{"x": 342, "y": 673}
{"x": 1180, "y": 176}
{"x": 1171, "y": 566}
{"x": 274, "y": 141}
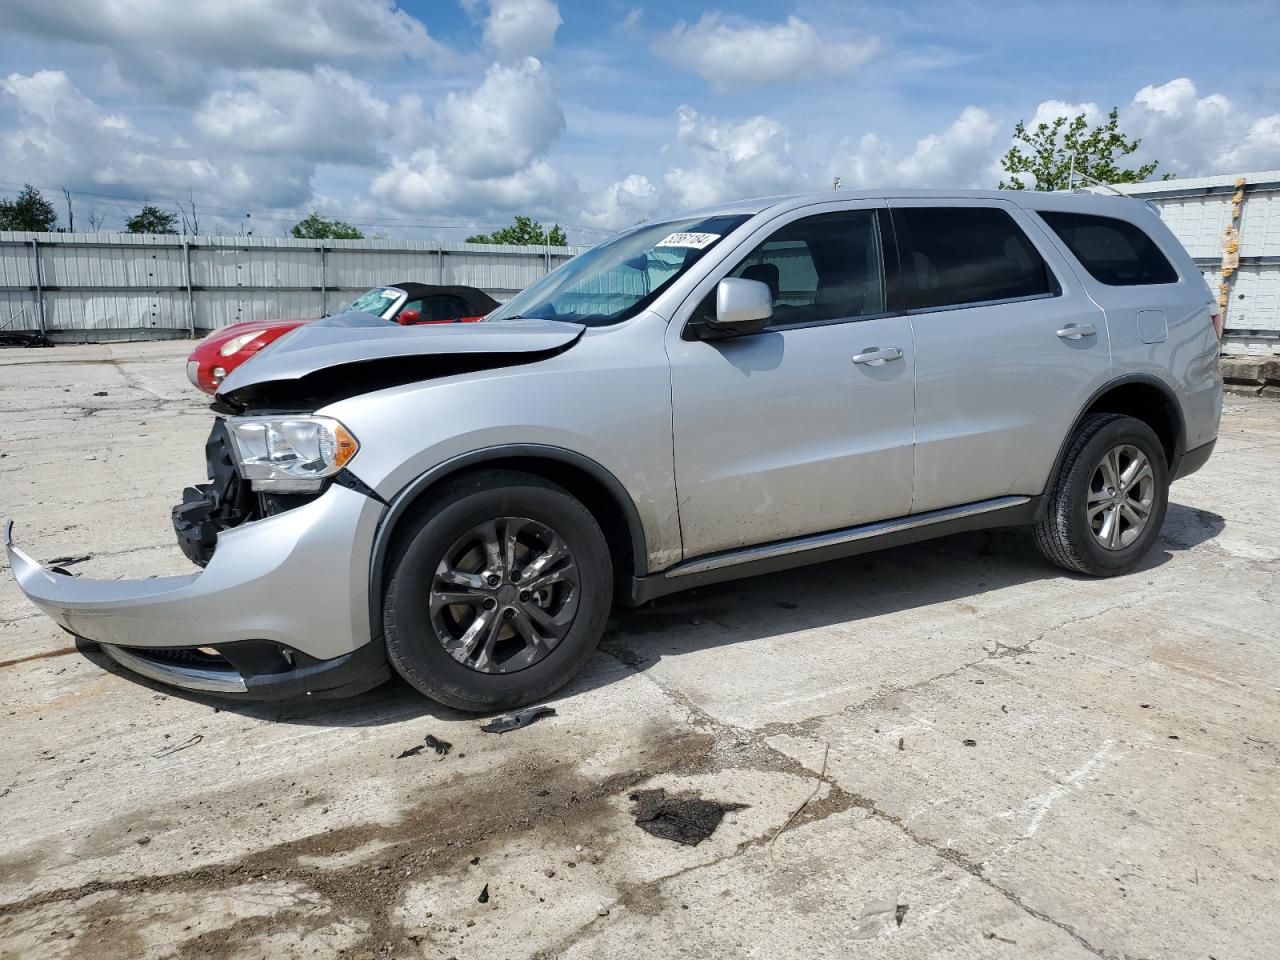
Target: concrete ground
{"x": 947, "y": 750}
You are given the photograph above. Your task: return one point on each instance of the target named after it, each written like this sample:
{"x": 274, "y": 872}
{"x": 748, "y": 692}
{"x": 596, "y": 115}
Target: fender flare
{"x": 408, "y": 495}
{"x": 1145, "y": 379}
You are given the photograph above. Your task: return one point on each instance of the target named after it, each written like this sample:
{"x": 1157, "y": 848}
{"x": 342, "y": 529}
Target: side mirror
{"x": 409, "y": 316}
{"x": 743, "y": 307}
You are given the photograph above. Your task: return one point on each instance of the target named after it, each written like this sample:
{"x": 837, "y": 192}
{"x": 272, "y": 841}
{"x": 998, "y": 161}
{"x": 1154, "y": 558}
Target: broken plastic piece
{"x": 514, "y": 721}
{"x": 441, "y": 747}
{"x": 877, "y": 915}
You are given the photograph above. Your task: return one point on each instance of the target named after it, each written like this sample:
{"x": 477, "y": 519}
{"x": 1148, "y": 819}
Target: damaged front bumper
{"x": 280, "y": 610}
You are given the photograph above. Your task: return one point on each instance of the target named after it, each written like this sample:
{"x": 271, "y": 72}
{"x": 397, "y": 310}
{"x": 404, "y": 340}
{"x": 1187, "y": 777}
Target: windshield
{"x": 616, "y": 280}
{"x": 376, "y": 301}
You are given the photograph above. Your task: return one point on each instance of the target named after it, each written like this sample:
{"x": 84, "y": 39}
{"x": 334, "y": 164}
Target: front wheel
{"x": 1108, "y": 501}
{"x": 498, "y": 592}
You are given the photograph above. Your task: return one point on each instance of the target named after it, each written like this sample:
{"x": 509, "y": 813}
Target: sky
{"x": 441, "y": 118}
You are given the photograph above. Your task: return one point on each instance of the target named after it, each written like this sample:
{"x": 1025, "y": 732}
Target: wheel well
{"x": 1151, "y": 405}
{"x": 615, "y": 517}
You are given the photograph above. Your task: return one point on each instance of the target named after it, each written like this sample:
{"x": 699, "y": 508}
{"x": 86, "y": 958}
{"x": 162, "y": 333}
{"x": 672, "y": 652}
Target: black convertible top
{"x": 478, "y": 301}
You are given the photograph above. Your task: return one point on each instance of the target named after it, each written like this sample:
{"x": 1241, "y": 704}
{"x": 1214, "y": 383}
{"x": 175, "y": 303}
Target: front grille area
{"x": 225, "y": 501}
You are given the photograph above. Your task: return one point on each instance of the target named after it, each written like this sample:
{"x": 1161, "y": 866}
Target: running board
{"x": 819, "y": 547}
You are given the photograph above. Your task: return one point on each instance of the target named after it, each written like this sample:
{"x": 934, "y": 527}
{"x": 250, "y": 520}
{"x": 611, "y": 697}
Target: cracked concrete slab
{"x": 1118, "y": 799}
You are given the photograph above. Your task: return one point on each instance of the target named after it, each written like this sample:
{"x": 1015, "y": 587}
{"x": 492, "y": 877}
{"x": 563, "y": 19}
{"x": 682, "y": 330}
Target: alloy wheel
{"x": 1121, "y": 496}
{"x": 504, "y": 595}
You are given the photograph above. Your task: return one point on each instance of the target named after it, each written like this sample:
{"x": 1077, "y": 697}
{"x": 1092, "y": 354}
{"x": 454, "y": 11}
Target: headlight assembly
{"x": 236, "y": 343}
{"x": 290, "y": 454}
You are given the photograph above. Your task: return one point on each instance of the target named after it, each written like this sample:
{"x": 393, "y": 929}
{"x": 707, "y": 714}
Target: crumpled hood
{"x": 354, "y": 352}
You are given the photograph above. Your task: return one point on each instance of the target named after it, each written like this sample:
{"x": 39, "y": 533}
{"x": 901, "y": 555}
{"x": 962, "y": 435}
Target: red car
{"x": 406, "y": 303}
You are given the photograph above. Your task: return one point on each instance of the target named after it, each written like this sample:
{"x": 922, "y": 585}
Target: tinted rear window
{"x": 1115, "y": 252}
{"x": 954, "y": 256}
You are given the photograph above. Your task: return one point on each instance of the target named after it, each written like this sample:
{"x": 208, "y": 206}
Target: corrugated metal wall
{"x": 114, "y": 286}
{"x": 1198, "y": 211}
{"x": 106, "y": 286}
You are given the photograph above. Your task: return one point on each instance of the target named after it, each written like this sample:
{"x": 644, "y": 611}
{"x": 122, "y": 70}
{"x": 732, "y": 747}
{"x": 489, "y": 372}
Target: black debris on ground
{"x": 69, "y": 560}
{"x": 971, "y": 743}
{"x": 900, "y": 913}
{"x": 411, "y": 752}
{"x": 788, "y": 605}
{"x": 441, "y": 747}
{"x": 514, "y": 721}
{"x": 683, "y": 818}
{"x": 189, "y": 742}
{"x": 484, "y": 895}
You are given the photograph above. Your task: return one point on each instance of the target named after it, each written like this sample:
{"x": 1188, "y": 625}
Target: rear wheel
{"x": 1108, "y": 502}
{"x": 498, "y": 592}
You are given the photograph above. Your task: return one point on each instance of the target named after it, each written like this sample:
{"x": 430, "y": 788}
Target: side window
{"x": 954, "y": 256}
{"x": 1115, "y": 252}
{"x": 826, "y": 267}
{"x": 443, "y": 307}
{"x": 410, "y": 305}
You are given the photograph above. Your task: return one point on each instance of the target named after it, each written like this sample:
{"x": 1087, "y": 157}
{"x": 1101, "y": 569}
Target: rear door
{"x": 799, "y": 429}
{"x": 1008, "y": 348}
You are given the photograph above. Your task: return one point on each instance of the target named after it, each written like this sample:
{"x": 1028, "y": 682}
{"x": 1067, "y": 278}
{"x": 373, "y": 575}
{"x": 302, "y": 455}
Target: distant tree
{"x": 151, "y": 219}
{"x": 316, "y": 227}
{"x": 525, "y": 232}
{"x": 1046, "y": 158}
{"x": 29, "y": 211}
{"x": 71, "y": 217}
{"x": 190, "y": 224}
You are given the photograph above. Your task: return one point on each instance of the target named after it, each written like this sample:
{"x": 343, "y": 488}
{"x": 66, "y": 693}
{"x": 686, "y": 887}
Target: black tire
{"x": 1065, "y": 535}
{"x": 414, "y": 645}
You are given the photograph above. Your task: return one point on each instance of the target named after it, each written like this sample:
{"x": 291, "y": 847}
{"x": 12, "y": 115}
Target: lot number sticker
{"x": 698, "y": 241}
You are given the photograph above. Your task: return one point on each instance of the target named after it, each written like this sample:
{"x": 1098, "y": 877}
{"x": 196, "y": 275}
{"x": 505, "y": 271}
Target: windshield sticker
{"x": 698, "y": 241}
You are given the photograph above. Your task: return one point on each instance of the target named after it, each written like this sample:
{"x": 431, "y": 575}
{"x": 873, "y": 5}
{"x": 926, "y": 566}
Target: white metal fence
{"x": 86, "y": 286}
{"x": 111, "y": 286}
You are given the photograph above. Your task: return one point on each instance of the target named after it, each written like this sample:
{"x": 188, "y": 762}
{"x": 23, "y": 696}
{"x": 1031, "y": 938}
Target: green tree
{"x": 29, "y": 211}
{"x": 316, "y": 227}
{"x": 525, "y": 232}
{"x": 1046, "y": 158}
{"x": 151, "y": 219}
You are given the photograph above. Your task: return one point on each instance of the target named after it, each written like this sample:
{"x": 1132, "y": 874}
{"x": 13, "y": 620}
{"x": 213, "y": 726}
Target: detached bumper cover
{"x": 298, "y": 580}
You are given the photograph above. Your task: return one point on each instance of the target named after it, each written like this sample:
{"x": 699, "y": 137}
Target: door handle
{"x": 878, "y": 356}
{"x": 1077, "y": 331}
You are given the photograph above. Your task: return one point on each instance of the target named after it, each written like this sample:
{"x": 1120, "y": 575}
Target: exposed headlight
{"x": 290, "y": 454}
{"x": 235, "y": 343}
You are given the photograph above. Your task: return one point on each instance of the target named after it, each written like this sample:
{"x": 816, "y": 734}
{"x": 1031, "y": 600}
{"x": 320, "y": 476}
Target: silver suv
{"x": 760, "y": 385}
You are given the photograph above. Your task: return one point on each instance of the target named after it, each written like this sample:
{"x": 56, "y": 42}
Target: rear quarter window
{"x": 1115, "y": 252}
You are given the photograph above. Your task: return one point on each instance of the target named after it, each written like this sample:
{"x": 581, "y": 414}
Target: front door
{"x": 806, "y": 427}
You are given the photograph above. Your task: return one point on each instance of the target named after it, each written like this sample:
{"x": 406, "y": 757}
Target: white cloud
{"x": 1188, "y": 134}
{"x": 730, "y": 160}
{"x": 625, "y": 202}
{"x": 1193, "y": 135}
{"x": 326, "y": 116}
{"x": 960, "y": 156}
{"x": 425, "y": 183}
{"x": 486, "y": 149}
{"x": 498, "y": 127}
{"x": 742, "y": 55}
{"x": 65, "y": 138}
{"x": 519, "y": 28}
{"x": 156, "y": 46}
